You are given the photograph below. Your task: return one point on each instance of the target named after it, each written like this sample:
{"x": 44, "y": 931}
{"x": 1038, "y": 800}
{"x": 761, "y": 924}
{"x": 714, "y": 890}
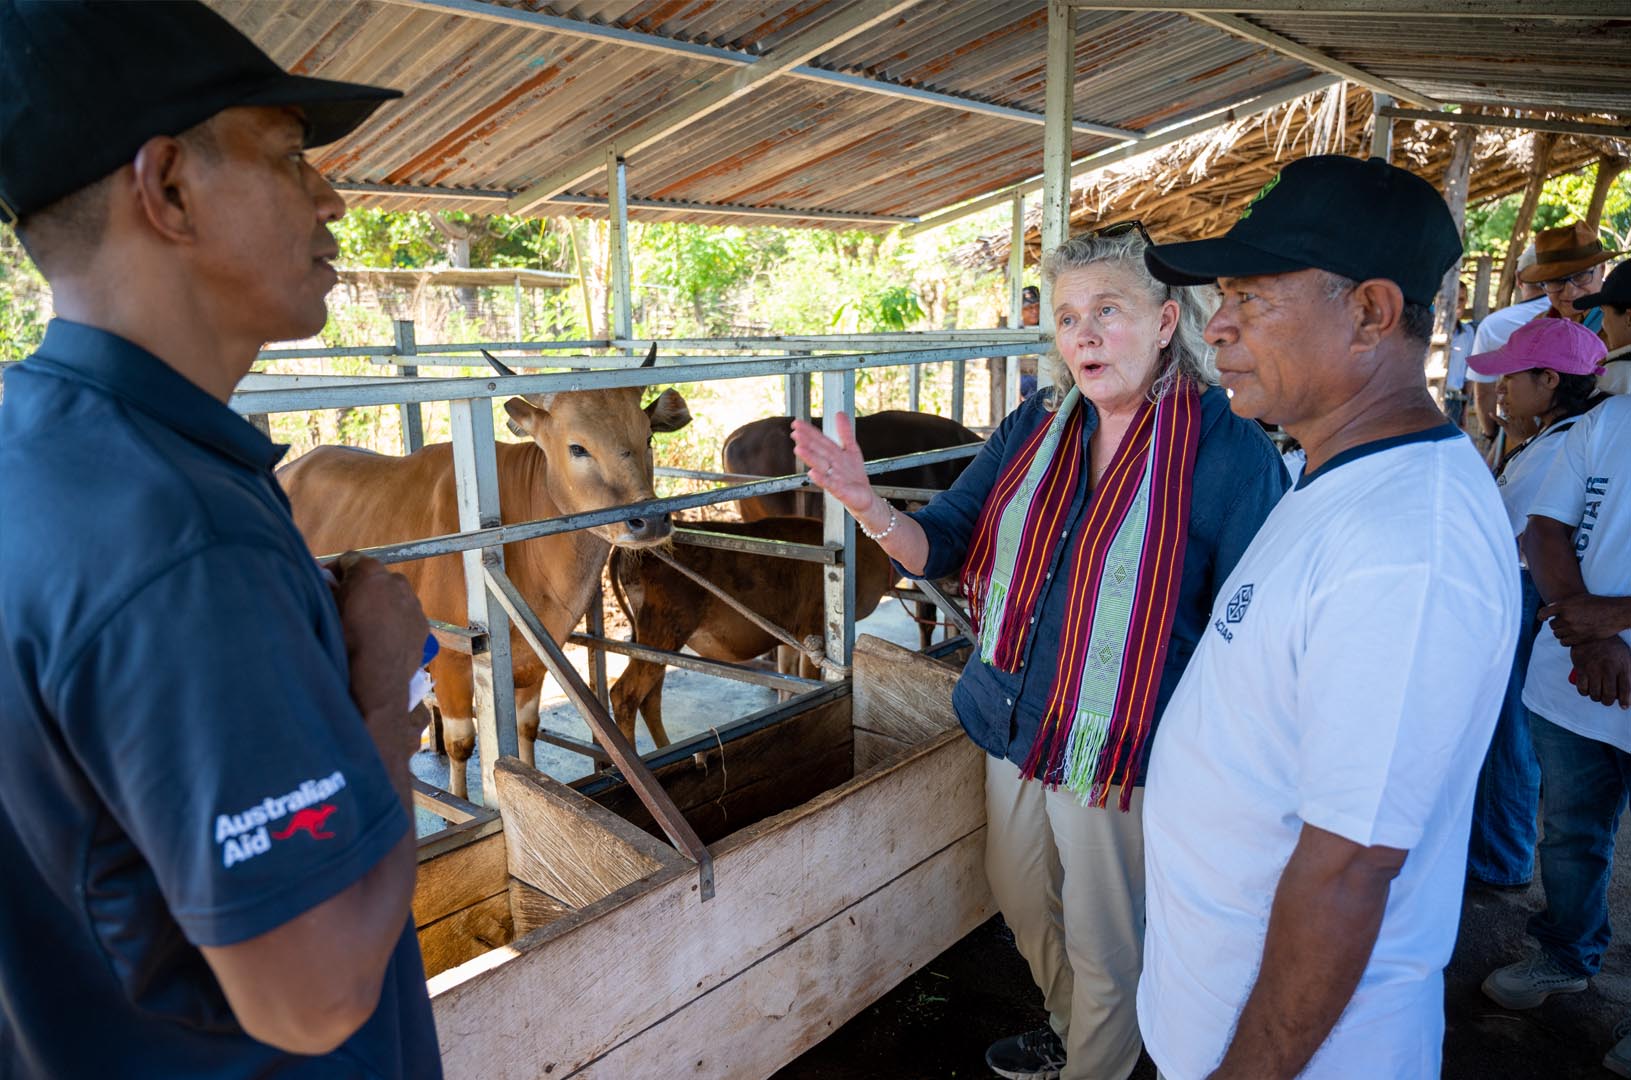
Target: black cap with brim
{"x": 1202, "y": 262}
{"x": 84, "y": 83}
{"x": 1359, "y": 219}
{"x": 1615, "y": 293}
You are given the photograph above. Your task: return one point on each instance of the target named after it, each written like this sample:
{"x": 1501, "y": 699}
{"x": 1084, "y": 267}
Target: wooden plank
{"x": 458, "y": 879}
{"x": 806, "y": 754}
{"x": 531, "y": 908}
{"x": 760, "y": 1020}
{"x": 564, "y": 844}
{"x": 466, "y": 934}
{"x": 872, "y": 749}
{"x": 776, "y": 880}
{"x": 901, "y": 693}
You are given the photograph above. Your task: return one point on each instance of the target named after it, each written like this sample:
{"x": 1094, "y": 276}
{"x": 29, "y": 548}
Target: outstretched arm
{"x": 838, "y": 469}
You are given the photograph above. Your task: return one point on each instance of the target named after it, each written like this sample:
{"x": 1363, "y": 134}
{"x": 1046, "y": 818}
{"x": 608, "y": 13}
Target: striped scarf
{"x": 1126, "y": 559}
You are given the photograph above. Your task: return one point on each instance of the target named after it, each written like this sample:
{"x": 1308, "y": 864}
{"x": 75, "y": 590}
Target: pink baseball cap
{"x": 1563, "y": 346}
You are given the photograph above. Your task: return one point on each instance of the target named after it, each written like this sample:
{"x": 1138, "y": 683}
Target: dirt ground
{"x": 937, "y": 1023}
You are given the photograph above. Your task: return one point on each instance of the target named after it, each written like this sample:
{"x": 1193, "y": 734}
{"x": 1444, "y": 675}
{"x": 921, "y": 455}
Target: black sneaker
{"x": 1035, "y": 1055}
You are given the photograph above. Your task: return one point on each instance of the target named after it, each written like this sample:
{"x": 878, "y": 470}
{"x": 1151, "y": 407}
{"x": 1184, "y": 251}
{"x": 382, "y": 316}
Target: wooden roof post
{"x": 617, "y": 254}
{"x": 1381, "y": 136}
{"x": 1609, "y": 169}
{"x": 1526, "y": 215}
{"x": 1457, "y": 179}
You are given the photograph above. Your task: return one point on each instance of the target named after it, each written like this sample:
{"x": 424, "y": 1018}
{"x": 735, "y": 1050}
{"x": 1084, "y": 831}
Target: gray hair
{"x": 1186, "y": 356}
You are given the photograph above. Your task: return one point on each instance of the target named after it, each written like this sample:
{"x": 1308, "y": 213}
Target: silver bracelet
{"x": 894, "y": 519}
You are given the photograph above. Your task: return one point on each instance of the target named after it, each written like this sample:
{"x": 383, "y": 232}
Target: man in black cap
{"x": 205, "y": 812}
{"x": 1309, "y": 796}
{"x": 1614, "y": 301}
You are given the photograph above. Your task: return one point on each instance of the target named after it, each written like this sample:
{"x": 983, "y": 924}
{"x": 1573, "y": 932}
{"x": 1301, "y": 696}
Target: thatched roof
{"x": 1198, "y": 187}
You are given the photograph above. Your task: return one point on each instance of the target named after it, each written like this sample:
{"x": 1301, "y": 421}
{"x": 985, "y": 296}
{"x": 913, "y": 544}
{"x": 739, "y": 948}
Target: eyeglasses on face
{"x": 1581, "y": 280}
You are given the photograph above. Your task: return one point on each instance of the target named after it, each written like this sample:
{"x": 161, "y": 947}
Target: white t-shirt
{"x": 1616, "y": 376}
{"x": 1588, "y": 486}
{"x": 1351, "y": 678}
{"x": 1497, "y": 326}
{"x": 1525, "y": 473}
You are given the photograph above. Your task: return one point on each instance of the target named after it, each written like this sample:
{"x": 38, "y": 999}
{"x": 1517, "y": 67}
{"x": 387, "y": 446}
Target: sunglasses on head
{"x": 1122, "y": 228}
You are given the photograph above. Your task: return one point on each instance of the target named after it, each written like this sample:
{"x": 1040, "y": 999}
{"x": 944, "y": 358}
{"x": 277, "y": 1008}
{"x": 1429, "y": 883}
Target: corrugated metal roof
{"x": 1579, "y": 65}
{"x": 494, "y": 107}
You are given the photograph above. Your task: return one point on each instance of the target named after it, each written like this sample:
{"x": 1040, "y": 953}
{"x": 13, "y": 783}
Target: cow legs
{"x": 927, "y": 615}
{"x": 652, "y": 709}
{"x": 460, "y": 735}
{"x": 526, "y": 721}
{"x": 631, "y": 693}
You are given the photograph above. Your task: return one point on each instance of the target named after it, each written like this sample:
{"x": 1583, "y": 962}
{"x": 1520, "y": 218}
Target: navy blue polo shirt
{"x": 182, "y": 763}
{"x": 1238, "y": 479}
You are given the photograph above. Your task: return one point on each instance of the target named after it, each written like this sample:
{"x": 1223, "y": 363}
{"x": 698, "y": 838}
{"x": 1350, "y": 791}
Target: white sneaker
{"x": 1529, "y": 982}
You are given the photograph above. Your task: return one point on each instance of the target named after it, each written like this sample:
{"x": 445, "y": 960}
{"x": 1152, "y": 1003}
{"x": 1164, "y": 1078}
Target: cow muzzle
{"x": 645, "y": 530}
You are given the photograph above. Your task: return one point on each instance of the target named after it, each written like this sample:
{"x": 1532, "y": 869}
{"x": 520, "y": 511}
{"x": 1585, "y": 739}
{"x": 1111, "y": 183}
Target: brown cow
{"x": 588, "y": 450}
{"x": 668, "y": 610}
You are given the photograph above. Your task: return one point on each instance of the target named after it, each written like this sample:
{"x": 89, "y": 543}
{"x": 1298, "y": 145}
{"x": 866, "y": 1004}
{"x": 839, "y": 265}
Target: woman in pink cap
{"x": 1547, "y": 376}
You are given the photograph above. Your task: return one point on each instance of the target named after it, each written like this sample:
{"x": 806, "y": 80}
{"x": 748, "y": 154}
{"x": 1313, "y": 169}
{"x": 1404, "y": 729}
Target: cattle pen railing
{"x": 493, "y": 603}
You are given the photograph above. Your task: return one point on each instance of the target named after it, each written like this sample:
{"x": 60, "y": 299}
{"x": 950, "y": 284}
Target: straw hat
{"x": 1565, "y": 250}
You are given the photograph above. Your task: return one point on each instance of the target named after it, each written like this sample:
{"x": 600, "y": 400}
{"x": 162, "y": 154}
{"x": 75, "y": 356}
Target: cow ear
{"x": 523, "y": 416}
{"x": 668, "y": 411}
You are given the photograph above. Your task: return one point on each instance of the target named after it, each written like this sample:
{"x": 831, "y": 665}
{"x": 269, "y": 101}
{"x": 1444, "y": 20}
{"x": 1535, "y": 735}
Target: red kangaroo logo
{"x": 309, "y": 821}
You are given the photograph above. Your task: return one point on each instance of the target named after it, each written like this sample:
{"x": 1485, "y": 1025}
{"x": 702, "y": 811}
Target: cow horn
{"x": 497, "y": 366}
{"x": 651, "y": 357}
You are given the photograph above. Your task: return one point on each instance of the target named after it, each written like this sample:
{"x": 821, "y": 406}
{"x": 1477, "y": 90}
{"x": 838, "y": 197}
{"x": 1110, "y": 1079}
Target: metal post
{"x": 595, "y": 623}
{"x": 796, "y": 390}
{"x": 475, "y": 473}
{"x": 520, "y": 332}
{"x": 1381, "y": 136}
{"x": 618, "y": 243}
{"x": 914, "y": 392}
{"x": 959, "y": 376}
{"x": 838, "y": 395}
{"x": 413, "y": 419}
{"x": 1056, "y": 132}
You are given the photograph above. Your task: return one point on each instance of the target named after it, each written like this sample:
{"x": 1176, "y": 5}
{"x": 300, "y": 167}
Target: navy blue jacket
{"x": 1238, "y": 479}
{"x": 183, "y": 763}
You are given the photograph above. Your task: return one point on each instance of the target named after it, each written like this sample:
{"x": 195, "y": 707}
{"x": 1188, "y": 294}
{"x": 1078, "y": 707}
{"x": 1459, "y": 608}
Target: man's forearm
{"x": 1327, "y": 912}
{"x": 1549, "y": 546}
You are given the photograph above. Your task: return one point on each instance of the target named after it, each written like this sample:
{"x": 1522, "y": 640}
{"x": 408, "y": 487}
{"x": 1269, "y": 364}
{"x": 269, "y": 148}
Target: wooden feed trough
{"x": 847, "y": 829}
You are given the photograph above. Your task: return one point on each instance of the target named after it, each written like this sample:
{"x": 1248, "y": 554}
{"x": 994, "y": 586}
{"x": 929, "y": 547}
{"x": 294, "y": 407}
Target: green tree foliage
{"x": 1563, "y": 200}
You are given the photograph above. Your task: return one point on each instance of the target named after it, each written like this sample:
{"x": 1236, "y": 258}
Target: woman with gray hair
{"x": 1091, "y": 534}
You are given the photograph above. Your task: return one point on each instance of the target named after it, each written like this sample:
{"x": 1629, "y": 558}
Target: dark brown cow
{"x": 668, "y": 610}
{"x": 765, "y": 448}
{"x": 587, "y": 450}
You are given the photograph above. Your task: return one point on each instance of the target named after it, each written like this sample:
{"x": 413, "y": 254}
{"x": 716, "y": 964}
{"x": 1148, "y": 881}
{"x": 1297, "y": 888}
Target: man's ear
{"x": 164, "y": 178}
{"x": 524, "y": 416}
{"x": 668, "y": 411}
{"x": 1378, "y": 310}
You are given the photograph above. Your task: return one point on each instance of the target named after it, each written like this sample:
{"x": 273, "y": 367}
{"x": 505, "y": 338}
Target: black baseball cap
{"x": 1615, "y": 293}
{"x": 84, "y": 83}
{"x": 1030, "y": 294}
{"x": 1360, "y": 219}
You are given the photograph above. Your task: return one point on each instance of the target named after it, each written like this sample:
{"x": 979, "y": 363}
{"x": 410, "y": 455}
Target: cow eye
{"x": 576, "y": 451}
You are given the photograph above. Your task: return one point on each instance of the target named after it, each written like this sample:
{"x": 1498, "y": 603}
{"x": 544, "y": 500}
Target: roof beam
{"x": 421, "y": 191}
{"x": 1233, "y": 24}
{"x": 638, "y": 39}
{"x": 1154, "y": 141}
{"x": 714, "y": 94}
{"x": 1520, "y": 123}
{"x": 1532, "y": 10}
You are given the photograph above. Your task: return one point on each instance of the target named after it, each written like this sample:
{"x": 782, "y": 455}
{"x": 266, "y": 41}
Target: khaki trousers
{"x": 1070, "y": 882}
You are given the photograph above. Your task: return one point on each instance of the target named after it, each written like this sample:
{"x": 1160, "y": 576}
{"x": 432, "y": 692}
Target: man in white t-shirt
{"x": 1309, "y": 798}
{"x": 1578, "y": 690}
